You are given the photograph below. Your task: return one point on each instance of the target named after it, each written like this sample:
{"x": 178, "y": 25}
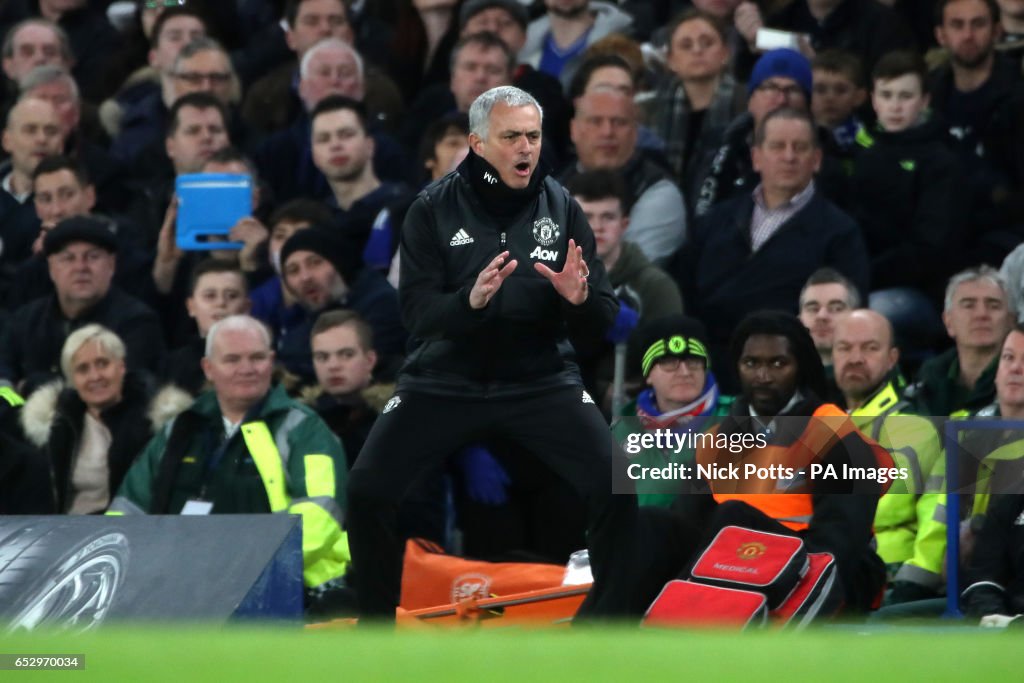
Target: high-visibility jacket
{"x": 989, "y": 448}
{"x": 787, "y": 500}
{"x": 906, "y": 528}
{"x": 282, "y": 460}
{"x": 11, "y": 397}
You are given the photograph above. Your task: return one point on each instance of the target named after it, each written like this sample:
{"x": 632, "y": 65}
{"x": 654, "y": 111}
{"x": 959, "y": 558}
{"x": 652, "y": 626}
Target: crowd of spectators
{"x": 877, "y": 160}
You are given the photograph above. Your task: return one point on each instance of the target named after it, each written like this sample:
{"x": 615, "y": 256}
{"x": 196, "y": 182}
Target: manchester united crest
{"x": 545, "y": 231}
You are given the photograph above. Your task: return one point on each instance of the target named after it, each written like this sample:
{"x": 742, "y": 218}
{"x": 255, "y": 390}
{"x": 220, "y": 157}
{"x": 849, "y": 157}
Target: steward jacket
{"x": 517, "y": 344}
{"x": 830, "y": 515}
{"x": 906, "y": 197}
{"x": 906, "y": 527}
{"x": 54, "y": 418}
{"x": 938, "y": 392}
{"x": 282, "y": 459}
{"x": 991, "y": 462}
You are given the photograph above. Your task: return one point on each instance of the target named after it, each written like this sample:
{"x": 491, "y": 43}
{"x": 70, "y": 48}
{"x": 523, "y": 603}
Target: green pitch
{"x": 248, "y": 655}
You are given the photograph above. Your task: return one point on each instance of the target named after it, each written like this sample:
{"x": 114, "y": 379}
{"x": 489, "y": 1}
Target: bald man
{"x": 911, "y": 541}
{"x": 32, "y": 132}
{"x": 604, "y": 132}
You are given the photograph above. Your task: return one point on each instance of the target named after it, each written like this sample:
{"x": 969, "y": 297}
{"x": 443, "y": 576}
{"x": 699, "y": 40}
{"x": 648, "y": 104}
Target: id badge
{"x": 197, "y": 507}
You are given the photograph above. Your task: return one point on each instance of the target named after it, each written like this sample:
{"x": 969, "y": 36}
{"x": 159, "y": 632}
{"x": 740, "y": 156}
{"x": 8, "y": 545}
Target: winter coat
{"x": 54, "y": 417}
{"x": 906, "y": 197}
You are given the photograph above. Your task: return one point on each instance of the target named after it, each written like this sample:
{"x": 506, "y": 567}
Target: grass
{"x": 161, "y": 653}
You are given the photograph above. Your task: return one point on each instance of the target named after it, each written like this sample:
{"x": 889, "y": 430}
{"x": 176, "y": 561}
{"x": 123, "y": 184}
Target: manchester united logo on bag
{"x": 545, "y": 231}
{"x": 749, "y": 551}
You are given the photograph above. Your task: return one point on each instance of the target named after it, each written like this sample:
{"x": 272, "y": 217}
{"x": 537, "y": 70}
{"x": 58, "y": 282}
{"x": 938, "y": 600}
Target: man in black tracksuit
{"x": 498, "y": 274}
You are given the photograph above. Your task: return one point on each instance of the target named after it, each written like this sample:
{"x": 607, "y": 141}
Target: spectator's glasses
{"x": 786, "y": 91}
{"x": 153, "y": 4}
{"x": 197, "y": 78}
{"x": 672, "y": 363}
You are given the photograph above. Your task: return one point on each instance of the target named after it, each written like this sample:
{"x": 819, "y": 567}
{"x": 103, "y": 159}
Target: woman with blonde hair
{"x": 93, "y": 428}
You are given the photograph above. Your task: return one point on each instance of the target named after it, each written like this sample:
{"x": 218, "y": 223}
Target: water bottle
{"x": 577, "y": 571}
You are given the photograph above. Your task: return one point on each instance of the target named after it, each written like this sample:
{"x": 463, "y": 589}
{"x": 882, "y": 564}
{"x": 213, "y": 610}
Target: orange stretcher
{"x": 537, "y": 608}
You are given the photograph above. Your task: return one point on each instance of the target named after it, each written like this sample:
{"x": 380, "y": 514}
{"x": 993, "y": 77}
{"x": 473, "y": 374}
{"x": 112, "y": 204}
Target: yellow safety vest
{"x": 325, "y": 551}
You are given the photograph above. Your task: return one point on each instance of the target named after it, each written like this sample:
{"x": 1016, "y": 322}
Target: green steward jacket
{"x": 282, "y": 459}
{"x": 938, "y": 392}
{"x": 908, "y": 529}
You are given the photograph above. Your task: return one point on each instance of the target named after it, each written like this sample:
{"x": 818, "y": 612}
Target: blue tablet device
{"x": 209, "y": 205}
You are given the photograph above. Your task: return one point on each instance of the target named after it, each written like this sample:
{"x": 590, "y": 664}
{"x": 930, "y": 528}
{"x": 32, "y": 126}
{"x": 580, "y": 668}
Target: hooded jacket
{"x": 649, "y": 289}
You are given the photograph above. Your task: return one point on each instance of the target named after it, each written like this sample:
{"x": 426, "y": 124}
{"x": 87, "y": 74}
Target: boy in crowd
{"x": 906, "y": 199}
{"x": 838, "y": 92}
{"x": 218, "y": 290}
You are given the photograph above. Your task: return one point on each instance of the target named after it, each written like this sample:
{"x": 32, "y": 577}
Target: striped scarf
{"x": 681, "y": 419}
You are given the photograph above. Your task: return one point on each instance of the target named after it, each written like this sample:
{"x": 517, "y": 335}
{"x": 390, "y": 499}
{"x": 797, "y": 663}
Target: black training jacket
{"x": 518, "y": 343}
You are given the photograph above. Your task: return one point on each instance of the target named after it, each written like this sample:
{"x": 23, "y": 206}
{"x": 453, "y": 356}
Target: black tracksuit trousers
{"x": 421, "y": 430}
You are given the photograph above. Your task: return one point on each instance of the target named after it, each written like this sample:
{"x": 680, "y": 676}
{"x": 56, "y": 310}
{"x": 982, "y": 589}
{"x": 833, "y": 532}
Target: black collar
{"x": 498, "y": 198}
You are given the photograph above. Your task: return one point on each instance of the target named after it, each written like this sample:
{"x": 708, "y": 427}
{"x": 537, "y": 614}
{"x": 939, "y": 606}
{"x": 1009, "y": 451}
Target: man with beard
{"x": 911, "y": 540}
{"x": 323, "y": 271}
{"x": 498, "y": 273}
{"x": 971, "y": 93}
